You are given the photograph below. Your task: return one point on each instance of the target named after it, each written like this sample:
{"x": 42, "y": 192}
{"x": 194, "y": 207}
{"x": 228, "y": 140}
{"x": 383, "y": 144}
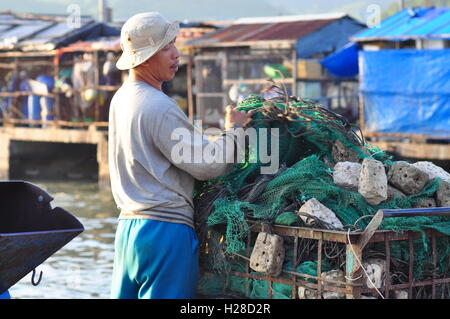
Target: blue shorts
{"x": 5, "y": 295}
{"x": 154, "y": 260}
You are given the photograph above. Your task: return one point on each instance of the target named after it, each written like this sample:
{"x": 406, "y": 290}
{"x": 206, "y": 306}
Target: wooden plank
{"x": 276, "y": 44}
{"x": 416, "y": 150}
{"x": 205, "y": 58}
{"x": 324, "y": 80}
{"x": 257, "y": 57}
{"x": 53, "y": 134}
{"x": 255, "y": 81}
{"x": 23, "y": 93}
{"x": 21, "y": 54}
{"x": 211, "y": 94}
{"x": 108, "y": 87}
{"x": 371, "y": 229}
{"x": 294, "y": 72}
{"x": 26, "y": 63}
{"x": 263, "y": 81}
{"x": 53, "y": 95}
{"x": 55, "y": 123}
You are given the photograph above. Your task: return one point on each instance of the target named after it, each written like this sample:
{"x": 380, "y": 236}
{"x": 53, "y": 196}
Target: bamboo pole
{"x": 294, "y": 71}
{"x": 97, "y": 81}
{"x": 189, "y": 89}
{"x": 57, "y": 111}
{"x": 56, "y": 123}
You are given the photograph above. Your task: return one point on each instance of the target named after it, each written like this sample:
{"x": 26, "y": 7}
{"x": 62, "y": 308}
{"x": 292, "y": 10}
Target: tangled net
{"x": 308, "y": 153}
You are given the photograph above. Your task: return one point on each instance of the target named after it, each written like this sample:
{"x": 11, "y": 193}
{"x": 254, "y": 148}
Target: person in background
{"x": 77, "y": 85}
{"x": 111, "y": 74}
{"x": 24, "y": 86}
{"x": 12, "y": 105}
{"x": 83, "y": 82}
{"x": 156, "y": 247}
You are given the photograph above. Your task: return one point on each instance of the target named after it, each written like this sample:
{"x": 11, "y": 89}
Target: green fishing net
{"x": 308, "y": 134}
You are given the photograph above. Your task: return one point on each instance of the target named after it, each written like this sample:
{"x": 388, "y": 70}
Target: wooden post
{"x": 5, "y": 143}
{"x": 15, "y": 101}
{"x": 294, "y": 71}
{"x": 352, "y": 270}
{"x": 56, "y": 110}
{"x": 97, "y": 83}
{"x": 102, "y": 159}
{"x": 224, "y": 72}
{"x": 361, "y": 112}
{"x": 361, "y": 98}
{"x": 189, "y": 88}
{"x": 199, "y": 81}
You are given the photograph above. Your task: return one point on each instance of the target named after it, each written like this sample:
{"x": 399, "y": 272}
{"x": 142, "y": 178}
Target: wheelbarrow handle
{"x": 372, "y": 227}
{"x": 438, "y": 211}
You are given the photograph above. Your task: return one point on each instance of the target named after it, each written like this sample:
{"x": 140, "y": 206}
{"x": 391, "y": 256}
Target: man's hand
{"x": 235, "y": 118}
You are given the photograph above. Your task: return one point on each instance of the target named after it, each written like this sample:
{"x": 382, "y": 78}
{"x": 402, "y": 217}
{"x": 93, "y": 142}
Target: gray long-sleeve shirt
{"x": 147, "y": 179}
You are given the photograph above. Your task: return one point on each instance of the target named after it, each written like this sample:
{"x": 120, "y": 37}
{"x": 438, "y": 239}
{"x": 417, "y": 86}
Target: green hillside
{"x": 172, "y": 9}
{"x": 358, "y": 9}
{"x": 201, "y": 9}
{"x": 215, "y": 9}
{"x": 415, "y": 3}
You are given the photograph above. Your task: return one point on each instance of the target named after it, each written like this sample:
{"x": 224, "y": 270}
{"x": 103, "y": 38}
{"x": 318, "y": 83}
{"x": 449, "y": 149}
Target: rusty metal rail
{"x": 355, "y": 242}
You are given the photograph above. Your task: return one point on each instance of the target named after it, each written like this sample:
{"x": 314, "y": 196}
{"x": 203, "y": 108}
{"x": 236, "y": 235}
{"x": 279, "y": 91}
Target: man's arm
{"x": 187, "y": 148}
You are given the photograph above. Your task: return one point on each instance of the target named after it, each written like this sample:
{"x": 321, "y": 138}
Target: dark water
{"x": 82, "y": 269}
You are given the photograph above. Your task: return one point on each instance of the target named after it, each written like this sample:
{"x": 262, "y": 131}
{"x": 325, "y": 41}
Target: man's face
{"x": 164, "y": 64}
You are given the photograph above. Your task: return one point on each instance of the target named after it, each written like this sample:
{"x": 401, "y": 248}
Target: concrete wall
{"x": 9, "y": 135}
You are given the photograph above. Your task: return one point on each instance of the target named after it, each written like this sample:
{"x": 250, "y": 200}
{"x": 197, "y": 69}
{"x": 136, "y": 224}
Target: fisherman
{"x": 156, "y": 248}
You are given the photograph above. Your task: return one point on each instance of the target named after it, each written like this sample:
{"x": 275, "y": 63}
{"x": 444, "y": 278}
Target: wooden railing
{"x": 15, "y": 116}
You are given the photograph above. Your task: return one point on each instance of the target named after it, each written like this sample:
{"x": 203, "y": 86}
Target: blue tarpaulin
{"x": 419, "y": 23}
{"x": 329, "y": 38}
{"x": 406, "y": 91}
{"x": 343, "y": 63}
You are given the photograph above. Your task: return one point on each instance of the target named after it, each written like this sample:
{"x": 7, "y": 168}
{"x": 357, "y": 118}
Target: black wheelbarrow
{"x": 30, "y": 230}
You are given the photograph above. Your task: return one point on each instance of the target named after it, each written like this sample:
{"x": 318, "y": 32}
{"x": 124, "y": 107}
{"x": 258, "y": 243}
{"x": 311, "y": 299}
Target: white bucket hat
{"x": 142, "y": 36}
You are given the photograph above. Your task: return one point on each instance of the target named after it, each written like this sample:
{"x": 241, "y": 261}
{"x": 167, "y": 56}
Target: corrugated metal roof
{"x": 29, "y": 32}
{"x": 188, "y": 31}
{"x": 420, "y": 23}
{"x": 104, "y": 44}
{"x": 269, "y": 31}
{"x": 23, "y": 31}
{"x": 291, "y": 18}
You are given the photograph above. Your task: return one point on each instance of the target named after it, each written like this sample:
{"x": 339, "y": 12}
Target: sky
{"x": 195, "y": 10}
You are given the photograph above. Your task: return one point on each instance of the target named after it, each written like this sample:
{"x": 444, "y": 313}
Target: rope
{"x": 360, "y": 264}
